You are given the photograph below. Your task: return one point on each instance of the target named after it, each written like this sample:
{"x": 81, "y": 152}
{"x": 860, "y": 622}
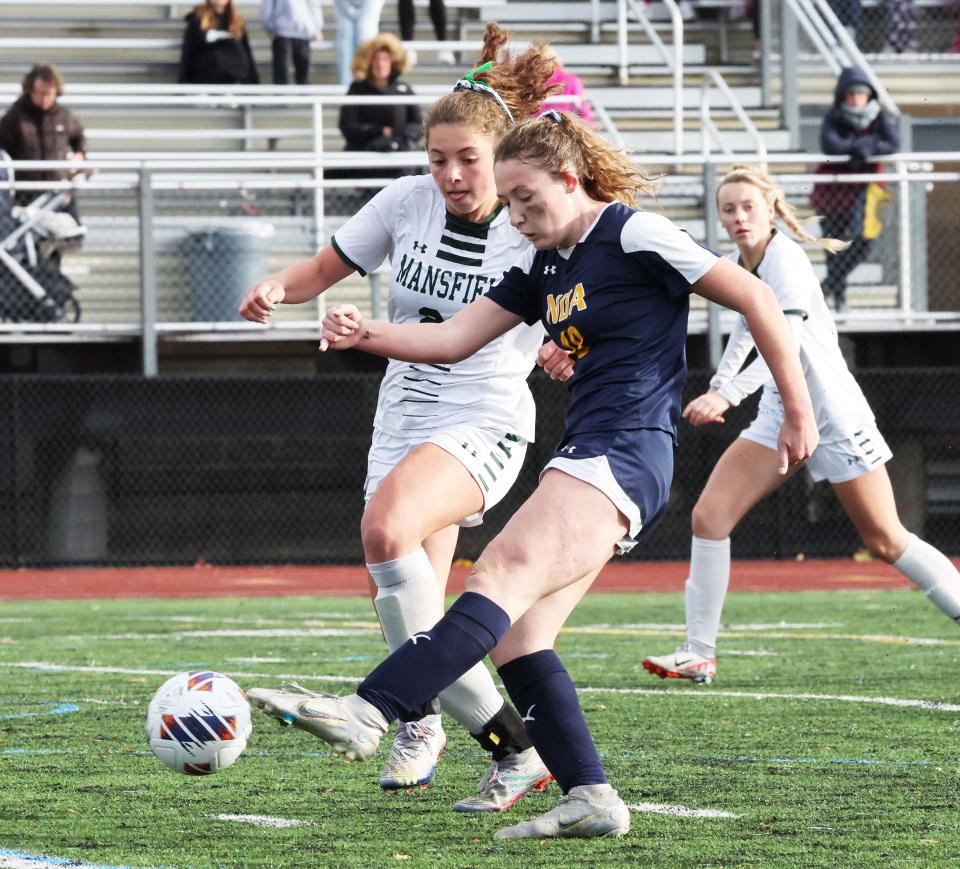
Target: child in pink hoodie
{"x": 571, "y": 85}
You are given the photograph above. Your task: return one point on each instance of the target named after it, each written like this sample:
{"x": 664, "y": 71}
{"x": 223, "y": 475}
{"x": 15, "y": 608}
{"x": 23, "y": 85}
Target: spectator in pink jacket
{"x": 571, "y": 85}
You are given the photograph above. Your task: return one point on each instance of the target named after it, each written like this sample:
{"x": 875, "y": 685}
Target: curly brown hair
{"x": 521, "y": 83}
{"x": 560, "y": 141}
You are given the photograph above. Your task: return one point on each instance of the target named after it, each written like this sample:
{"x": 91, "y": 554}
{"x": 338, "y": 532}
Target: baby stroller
{"x": 32, "y": 287}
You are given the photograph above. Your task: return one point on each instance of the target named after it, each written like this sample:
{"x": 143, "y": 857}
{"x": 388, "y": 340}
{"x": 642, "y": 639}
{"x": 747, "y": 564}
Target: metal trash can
{"x": 222, "y": 264}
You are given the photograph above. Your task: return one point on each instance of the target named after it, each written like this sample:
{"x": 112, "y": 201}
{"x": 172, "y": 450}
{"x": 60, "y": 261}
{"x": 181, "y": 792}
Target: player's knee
{"x": 386, "y": 536}
{"x": 886, "y": 546}
{"x": 708, "y": 521}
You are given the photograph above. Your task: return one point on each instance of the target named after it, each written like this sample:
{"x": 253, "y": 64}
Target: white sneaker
{"x": 587, "y": 812}
{"x": 506, "y": 781}
{"x": 446, "y": 56}
{"x": 352, "y": 726}
{"x": 417, "y": 748}
{"x": 684, "y": 663}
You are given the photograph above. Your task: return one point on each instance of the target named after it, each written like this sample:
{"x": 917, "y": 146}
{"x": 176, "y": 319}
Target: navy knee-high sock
{"x": 432, "y": 660}
{"x": 545, "y": 696}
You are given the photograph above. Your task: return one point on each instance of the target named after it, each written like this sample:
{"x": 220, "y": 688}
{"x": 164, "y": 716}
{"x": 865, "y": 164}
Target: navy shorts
{"x": 633, "y": 468}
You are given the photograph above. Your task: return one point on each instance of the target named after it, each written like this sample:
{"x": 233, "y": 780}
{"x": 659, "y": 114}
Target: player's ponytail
{"x": 491, "y": 99}
{"x": 560, "y": 141}
{"x": 775, "y": 198}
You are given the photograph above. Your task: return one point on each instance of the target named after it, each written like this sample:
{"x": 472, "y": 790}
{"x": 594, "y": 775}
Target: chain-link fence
{"x": 199, "y": 247}
{"x": 901, "y": 26}
{"x": 125, "y": 471}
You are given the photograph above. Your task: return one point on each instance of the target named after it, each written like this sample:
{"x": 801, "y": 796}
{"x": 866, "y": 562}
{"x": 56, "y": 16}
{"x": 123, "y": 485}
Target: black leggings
{"x": 438, "y": 15}
{"x": 285, "y": 49}
{"x": 839, "y": 265}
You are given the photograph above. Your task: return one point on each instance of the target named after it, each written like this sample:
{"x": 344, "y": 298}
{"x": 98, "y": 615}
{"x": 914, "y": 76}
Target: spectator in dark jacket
{"x": 377, "y": 67}
{"x": 216, "y": 49}
{"x": 37, "y": 127}
{"x": 855, "y": 125}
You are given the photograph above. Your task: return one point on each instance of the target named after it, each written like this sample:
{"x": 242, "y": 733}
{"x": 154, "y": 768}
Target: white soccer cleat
{"x": 506, "y": 781}
{"x": 349, "y": 724}
{"x": 417, "y": 748}
{"x": 682, "y": 664}
{"x": 587, "y": 812}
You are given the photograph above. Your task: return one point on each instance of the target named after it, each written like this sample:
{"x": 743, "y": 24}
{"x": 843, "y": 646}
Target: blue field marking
{"x": 44, "y": 860}
{"x": 58, "y": 708}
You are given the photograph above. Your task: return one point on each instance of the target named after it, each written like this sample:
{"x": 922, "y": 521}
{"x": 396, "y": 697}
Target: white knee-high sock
{"x": 933, "y": 573}
{"x": 408, "y": 601}
{"x": 706, "y": 590}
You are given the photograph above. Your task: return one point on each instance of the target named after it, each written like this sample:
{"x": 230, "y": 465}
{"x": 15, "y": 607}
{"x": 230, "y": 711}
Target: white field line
{"x": 679, "y": 811}
{"x": 887, "y": 639}
{"x": 903, "y": 703}
{"x": 363, "y": 628}
{"x": 268, "y": 633}
{"x": 753, "y": 626}
{"x": 703, "y": 694}
{"x": 262, "y": 820}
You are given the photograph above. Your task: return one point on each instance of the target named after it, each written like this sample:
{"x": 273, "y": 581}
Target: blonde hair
{"x": 521, "y": 83}
{"x": 560, "y": 141}
{"x": 208, "y": 17}
{"x": 775, "y": 198}
{"x": 399, "y": 59}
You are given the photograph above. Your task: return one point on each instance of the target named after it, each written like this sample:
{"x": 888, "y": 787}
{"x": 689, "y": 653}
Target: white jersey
{"x": 838, "y": 402}
{"x": 439, "y": 263}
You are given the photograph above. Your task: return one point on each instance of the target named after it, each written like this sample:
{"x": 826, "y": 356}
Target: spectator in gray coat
{"x": 292, "y": 26}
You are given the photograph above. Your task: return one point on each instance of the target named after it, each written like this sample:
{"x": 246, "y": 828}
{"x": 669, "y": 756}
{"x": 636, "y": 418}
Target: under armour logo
{"x": 416, "y": 637}
{"x": 420, "y": 248}
{"x": 529, "y": 715}
{"x": 570, "y": 449}
{"x": 549, "y": 270}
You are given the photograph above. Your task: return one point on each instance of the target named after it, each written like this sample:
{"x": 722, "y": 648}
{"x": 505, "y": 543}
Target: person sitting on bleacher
{"x": 377, "y": 67}
{"x": 216, "y": 49}
{"x": 38, "y": 127}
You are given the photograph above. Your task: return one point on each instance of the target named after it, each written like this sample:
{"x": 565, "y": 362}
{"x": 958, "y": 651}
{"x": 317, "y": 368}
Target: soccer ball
{"x": 198, "y": 723}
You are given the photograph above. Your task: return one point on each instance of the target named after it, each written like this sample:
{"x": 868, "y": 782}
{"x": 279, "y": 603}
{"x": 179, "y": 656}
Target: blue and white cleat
{"x": 417, "y": 749}
{"x": 507, "y": 781}
{"x": 587, "y": 812}
{"x": 350, "y": 725}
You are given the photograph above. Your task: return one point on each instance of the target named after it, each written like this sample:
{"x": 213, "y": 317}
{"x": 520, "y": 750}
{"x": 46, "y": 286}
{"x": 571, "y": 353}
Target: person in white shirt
{"x": 448, "y": 440}
{"x": 852, "y": 452}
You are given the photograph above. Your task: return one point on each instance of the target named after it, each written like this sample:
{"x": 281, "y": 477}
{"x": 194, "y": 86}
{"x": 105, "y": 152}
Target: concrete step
{"x": 662, "y": 141}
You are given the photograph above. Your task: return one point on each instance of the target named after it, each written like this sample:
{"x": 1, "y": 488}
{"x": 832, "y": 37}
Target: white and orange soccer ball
{"x": 198, "y": 723}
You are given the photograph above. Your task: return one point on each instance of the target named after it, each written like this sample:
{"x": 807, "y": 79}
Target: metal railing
{"x": 708, "y": 127}
{"x": 146, "y": 183}
{"x": 673, "y": 58}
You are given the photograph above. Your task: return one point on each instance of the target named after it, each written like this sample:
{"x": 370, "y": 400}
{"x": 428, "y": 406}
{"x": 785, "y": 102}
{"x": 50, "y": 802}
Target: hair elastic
{"x": 469, "y": 83}
{"x": 555, "y": 116}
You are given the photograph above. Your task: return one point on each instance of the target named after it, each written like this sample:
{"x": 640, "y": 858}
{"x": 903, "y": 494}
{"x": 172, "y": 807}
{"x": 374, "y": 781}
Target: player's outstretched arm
{"x": 731, "y": 286}
{"x": 299, "y": 282}
{"x": 450, "y": 341}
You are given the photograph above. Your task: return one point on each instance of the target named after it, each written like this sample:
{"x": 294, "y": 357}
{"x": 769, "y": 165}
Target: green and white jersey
{"x": 439, "y": 263}
{"x": 839, "y": 404}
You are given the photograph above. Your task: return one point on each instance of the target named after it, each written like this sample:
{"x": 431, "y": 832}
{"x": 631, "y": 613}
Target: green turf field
{"x": 797, "y": 752}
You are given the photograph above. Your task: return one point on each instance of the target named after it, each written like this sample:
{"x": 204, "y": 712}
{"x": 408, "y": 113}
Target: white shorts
{"x": 493, "y": 459}
{"x": 839, "y": 461}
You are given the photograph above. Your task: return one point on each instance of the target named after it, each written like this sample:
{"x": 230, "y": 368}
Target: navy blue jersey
{"x": 618, "y": 301}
